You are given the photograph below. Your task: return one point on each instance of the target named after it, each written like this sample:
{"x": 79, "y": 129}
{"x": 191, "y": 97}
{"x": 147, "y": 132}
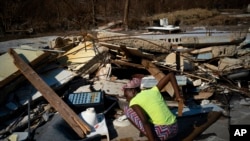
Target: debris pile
{"x": 45, "y": 78}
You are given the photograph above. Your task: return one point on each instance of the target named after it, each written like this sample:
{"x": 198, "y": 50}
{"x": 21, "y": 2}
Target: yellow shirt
{"x": 155, "y": 106}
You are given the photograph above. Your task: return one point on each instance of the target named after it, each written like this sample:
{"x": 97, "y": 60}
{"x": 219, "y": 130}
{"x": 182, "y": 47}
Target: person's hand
{"x": 179, "y": 99}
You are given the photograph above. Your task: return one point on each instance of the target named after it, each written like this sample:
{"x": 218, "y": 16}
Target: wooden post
{"x": 126, "y": 11}
{"x": 158, "y": 74}
{"x": 93, "y": 2}
{"x": 64, "y": 110}
{"x": 178, "y": 61}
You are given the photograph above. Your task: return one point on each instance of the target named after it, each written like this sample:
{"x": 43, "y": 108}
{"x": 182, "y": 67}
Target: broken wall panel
{"x": 65, "y": 111}
{"x": 55, "y": 78}
{"x": 213, "y": 40}
{"x": 111, "y": 87}
{"x": 8, "y": 71}
{"x": 10, "y": 76}
{"x": 214, "y": 51}
{"x": 222, "y": 51}
{"x": 147, "y": 45}
{"x": 76, "y": 57}
{"x": 227, "y": 64}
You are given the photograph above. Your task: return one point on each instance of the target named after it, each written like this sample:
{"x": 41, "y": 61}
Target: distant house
{"x": 165, "y": 27}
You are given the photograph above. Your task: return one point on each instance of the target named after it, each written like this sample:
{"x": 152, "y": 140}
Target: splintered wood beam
{"x": 158, "y": 74}
{"x": 212, "y": 117}
{"x": 64, "y": 110}
{"x": 124, "y": 63}
{"x": 125, "y": 50}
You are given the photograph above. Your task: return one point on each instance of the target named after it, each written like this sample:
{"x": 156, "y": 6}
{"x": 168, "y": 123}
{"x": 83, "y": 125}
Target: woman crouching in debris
{"x": 148, "y": 111}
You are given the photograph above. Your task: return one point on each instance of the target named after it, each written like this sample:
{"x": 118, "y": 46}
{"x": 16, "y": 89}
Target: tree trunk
{"x": 93, "y": 12}
{"x": 125, "y": 18}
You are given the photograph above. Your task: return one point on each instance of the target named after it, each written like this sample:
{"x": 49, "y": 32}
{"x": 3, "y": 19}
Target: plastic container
{"x": 89, "y": 116}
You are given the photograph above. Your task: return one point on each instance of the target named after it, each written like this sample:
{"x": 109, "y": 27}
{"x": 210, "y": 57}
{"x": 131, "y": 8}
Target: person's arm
{"x": 170, "y": 77}
{"x": 164, "y": 81}
{"x": 150, "y": 133}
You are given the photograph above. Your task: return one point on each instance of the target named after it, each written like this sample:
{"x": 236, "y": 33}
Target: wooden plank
{"x": 202, "y": 50}
{"x": 78, "y": 56}
{"x": 212, "y": 117}
{"x": 203, "y": 95}
{"x": 124, "y": 63}
{"x": 127, "y": 139}
{"x": 64, "y": 110}
{"x": 128, "y": 50}
{"x": 158, "y": 74}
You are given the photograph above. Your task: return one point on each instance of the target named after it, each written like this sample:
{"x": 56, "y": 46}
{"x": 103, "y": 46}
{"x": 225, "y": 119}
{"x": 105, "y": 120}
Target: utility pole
{"x": 126, "y": 11}
{"x": 93, "y": 12}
